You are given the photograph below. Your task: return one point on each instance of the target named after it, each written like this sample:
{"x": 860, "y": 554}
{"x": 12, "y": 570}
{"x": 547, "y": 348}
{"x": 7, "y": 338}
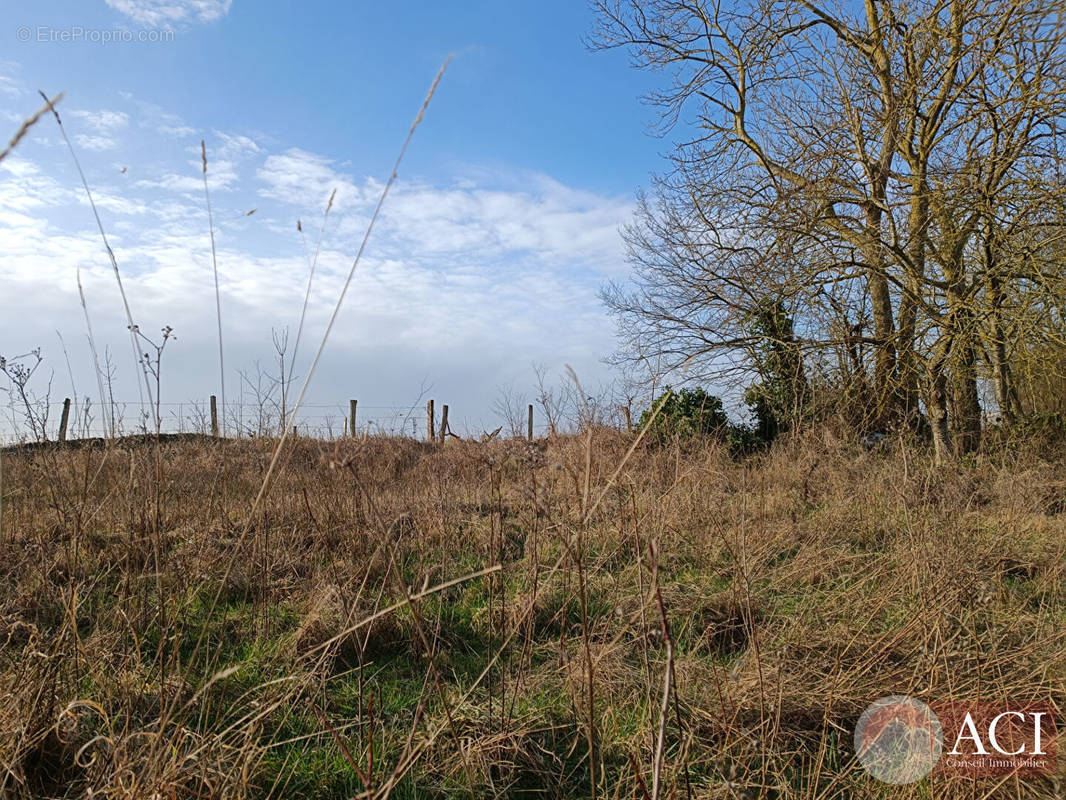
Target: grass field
{"x": 512, "y": 619}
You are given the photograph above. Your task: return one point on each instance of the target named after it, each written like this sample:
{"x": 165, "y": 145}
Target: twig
{"x": 340, "y": 743}
{"x": 111, "y": 255}
{"x": 218, "y": 296}
{"x": 29, "y": 122}
{"x": 96, "y": 358}
{"x": 668, "y": 677}
{"x": 310, "y": 278}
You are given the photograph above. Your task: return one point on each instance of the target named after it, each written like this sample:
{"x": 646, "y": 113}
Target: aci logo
{"x": 901, "y": 740}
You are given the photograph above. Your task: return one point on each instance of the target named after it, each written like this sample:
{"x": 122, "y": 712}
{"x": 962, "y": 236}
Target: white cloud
{"x": 9, "y": 84}
{"x": 169, "y": 12}
{"x": 23, "y": 186}
{"x": 465, "y": 281}
{"x": 96, "y": 143}
{"x": 226, "y": 153}
{"x": 102, "y": 121}
{"x": 546, "y": 219}
{"x": 306, "y": 180}
{"x": 221, "y": 176}
{"x": 151, "y": 117}
{"x": 103, "y": 127}
{"x": 117, "y": 203}
{"x": 172, "y": 126}
{"x": 534, "y": 214}
{"x": 234, "y": 146}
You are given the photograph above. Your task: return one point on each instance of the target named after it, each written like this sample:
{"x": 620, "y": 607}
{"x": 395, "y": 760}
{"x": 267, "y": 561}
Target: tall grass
{"x": 140, "y": 360}
{"x": 312, "y": 259}
{"x": 105, "y": 407}
{"x": 419, "y": 619}
{"x": 218, "y": 293}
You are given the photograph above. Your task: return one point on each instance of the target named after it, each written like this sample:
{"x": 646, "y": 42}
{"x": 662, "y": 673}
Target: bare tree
{"x": 263, "y": 388}
{"x": 850, "y": 163}
{"x": 510, "y": 406}
{"x": 153, "y": 366}
{"x": 548, "y": 398}
{"x": 280, "y": 338}
{"x": 19, "y": 371}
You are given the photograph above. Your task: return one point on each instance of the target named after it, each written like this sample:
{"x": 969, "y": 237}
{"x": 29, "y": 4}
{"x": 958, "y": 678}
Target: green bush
{"x": 781, "y": 391}
{"x": 687, "y": 413}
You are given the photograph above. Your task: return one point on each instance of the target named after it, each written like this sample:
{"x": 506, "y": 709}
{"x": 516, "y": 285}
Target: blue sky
{"x": 501, "y": 229}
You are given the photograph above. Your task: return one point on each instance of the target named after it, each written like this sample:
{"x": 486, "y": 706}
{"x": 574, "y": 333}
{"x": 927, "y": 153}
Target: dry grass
{"x": 29, "y": 122}
{"x": 797, "y": 586}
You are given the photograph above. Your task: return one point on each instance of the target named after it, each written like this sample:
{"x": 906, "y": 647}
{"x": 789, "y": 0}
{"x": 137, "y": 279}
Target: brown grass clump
{"x": 411, "y": 619}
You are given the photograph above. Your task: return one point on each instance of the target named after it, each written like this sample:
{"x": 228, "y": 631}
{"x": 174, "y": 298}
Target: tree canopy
{"x": 885, "y": 172}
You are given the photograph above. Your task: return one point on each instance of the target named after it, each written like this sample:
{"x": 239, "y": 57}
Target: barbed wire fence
{"x": 85, "y": 419}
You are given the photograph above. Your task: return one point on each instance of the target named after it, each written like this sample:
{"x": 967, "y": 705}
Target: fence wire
{"x": 237, "y": 419}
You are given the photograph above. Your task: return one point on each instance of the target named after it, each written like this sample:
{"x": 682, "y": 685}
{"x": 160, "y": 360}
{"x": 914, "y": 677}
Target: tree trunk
{"x": 965, "y": 403}
{"x": 907, "y": 365}
{"x": 884, "y": 327}
{"x": 938, "y": 414}
{"x": 1006, "y": 396}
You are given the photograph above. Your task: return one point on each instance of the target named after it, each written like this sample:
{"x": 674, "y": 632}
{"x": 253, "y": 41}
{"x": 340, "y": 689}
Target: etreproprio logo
{"x": 899, "y": 739}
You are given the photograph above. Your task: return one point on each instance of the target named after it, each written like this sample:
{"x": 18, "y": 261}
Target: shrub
{"x": 782, "y": 390}
{"x": 687, "y": 413}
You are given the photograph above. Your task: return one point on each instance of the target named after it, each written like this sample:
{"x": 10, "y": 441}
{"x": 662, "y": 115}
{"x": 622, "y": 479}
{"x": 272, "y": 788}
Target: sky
{"x": 502, "y": 226}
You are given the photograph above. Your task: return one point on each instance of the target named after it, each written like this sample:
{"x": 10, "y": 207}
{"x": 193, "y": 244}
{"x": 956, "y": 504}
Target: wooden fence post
{"x": 214, "y": 417}
{"x": 529, "y": 431}
{"x": 430, "y": 425}
{"x": 443, "y": 422}
{"x": 351, "y": 416}
{"x": 63, "y": 420}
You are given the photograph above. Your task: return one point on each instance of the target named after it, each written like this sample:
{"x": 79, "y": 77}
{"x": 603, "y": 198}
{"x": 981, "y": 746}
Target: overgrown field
{"x": 158, "y": 639}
